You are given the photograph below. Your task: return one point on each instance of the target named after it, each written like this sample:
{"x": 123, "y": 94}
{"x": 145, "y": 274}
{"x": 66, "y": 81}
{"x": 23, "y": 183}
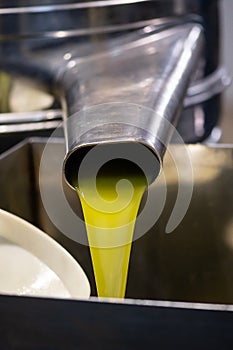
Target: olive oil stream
{"x": 110, "y": 214}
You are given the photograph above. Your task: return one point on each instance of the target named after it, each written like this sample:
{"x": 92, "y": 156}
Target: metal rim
{"x": 64, "y": 7}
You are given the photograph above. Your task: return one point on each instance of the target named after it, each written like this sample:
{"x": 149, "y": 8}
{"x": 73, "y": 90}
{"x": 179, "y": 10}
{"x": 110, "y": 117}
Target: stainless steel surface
{"x": 209, "y": 87}
{"x": 148, "y": 89}
{"x": 50, "y": 119}
{"x": 29, "y": 121}
{"x": 192, "y": 264}
{"x": 115, "y": 325}
{"x": 94, "y": 16}
{"x": 43, "y": 35}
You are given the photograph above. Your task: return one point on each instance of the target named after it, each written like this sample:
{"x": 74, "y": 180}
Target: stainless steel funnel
{"x": 124, "y": 90}
{"x": 38, "y": 40}
{"x": 117, "y": 84}
{"x": 30, "y": 28}
{"x": 131, "y": 92}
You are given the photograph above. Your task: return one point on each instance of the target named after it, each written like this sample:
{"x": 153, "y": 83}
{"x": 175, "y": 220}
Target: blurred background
{"x": 227, "y": 58}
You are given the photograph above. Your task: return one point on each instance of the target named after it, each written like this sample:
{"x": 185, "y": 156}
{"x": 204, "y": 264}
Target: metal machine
{"x": 122, "y": 72}
{"x": 162, "y": 55}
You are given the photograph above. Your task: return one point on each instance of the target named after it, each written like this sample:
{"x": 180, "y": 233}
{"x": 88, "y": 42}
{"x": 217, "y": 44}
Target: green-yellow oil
{"x": 110, "y": 214}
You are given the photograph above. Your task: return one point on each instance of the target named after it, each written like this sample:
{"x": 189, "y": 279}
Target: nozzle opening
{"x": 125, "y": 156}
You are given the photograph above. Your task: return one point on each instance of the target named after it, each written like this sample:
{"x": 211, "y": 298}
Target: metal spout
{"x": 126, "y": 90}
{"x": 130, "y": 93}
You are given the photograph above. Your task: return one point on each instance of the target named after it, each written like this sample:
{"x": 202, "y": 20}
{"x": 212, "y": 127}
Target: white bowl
{"x": 32, "y": 263}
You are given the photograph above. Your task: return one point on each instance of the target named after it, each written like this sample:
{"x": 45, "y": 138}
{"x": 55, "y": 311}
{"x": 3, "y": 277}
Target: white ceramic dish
{"x": 32, "y": 263}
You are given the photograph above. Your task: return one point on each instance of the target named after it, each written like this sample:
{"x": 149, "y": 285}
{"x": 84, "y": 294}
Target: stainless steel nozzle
{"x": 130, "y": 93}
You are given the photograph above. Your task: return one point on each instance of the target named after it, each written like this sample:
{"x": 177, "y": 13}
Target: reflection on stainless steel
{"x": 29, "y": 126}
{"x": 204, "y": 173}
{"x": 192, "y": 264}
{"x": 229, "y": 233}
{"x": 26, "y": 117}
{"x": 42, "y": 35}
{"x": 208, "y": 88}
{"x": 151, "y": 70}
{"x": 198, "y": 92}
{"x": 14, "y": 123}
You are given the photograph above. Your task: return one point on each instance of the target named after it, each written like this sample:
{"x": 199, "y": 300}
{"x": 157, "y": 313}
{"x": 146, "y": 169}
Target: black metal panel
{"x": 29, "y": 323}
